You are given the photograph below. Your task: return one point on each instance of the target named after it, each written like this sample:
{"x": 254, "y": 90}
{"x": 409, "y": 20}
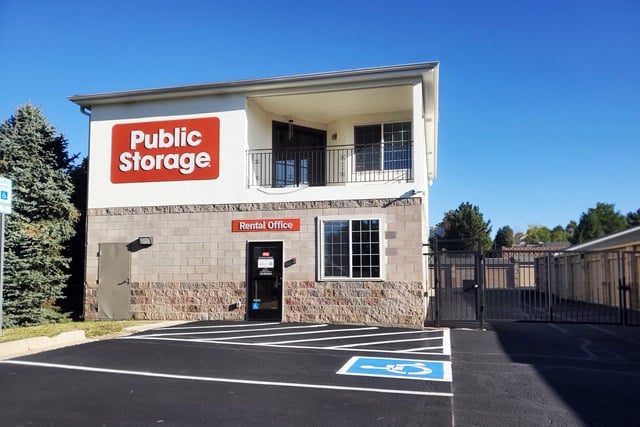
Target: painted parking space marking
{"x": 362, "y": 344}
{"x": 233, "y": 325}
{"x": 215, "y": 330}
{"x": 390, "y": 343}
{"x": 346, "y": 337}
{"x": 412, "y": 369}
{"x": 224, "y": 380}
{"x": 289, "y": 333}
{"x": 364, "y": 339}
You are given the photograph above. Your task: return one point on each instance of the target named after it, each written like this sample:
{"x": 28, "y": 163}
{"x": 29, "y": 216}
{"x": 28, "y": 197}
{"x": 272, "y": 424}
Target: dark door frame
{"x": 275, "y": 280}
{"x": 301, "y": 148}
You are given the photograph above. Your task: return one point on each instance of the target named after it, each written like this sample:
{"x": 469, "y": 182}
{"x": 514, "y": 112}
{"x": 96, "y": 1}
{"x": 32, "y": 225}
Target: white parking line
{"x": 446, "y": 342}
{"x": 347, "y": 337}
{"x": 224, "y": 380}
{"x": 276, "y": 328}
{"x": 411, "y": 350}
{"x": 248, "y": 325}
{"x": 234, "y": 331}
{"x": 328, "y": 331}
{"x": 298, "y": 347}
{"x": 383, "y": 342}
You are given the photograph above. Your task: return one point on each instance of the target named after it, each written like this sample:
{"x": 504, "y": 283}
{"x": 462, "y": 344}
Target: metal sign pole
{"x": 5, "y": 209}
{"x": 1, "y": 267}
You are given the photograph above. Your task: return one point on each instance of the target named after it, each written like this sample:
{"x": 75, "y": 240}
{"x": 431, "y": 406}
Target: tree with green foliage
{"x": 570, "y": 229}
{"x": 73, "y": 300}
{"x": 559, "y": 234}
{"x": 466, "y": 224}
{"x": 43, "y": 217}
{"x": 633, "y": 218}
{"x": 538, "y": 234}
{"x": 541, "y": 234}
{"x": 598, "y": 222}
{"x": 504, "y": 237}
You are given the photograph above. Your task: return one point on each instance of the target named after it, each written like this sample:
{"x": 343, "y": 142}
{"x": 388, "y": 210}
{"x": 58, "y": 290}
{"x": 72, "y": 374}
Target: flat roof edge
{"x": 604, "y": 239}
{"x": 310, "y": 80}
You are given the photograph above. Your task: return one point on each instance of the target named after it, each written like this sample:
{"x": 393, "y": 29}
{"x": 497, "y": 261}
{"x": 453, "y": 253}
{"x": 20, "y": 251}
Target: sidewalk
{"x": 34, "y": 345}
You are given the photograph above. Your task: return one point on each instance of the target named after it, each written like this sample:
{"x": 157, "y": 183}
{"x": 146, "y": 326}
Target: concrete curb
{"x": 163, "y": 324}
{"x": 34, "y": 345}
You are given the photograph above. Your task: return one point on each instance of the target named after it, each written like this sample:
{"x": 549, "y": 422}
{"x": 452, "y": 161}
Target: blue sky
{"x": 539, "y": 100}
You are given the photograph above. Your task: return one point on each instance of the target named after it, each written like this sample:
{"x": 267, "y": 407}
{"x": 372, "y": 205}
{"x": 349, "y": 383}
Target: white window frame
{"x": 382, "y": 142}
{"x": 321, "y": 247}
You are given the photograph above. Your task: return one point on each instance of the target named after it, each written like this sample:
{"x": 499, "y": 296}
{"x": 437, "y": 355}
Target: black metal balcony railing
{"x": 381, "y": 162}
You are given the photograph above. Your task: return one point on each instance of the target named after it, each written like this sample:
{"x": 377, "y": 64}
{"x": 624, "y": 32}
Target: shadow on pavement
{"x": 547, "y": 374}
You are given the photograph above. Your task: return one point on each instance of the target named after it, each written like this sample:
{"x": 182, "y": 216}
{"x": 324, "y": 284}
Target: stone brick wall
{"x": 361, "y": 303}
{"x": 187, "y": 300}
{"x": 196, "y": 267}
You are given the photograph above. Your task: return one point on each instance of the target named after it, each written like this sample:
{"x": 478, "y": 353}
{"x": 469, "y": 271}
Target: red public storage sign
{"x": 171, "y": 150}
{"x": 252, "y": 225}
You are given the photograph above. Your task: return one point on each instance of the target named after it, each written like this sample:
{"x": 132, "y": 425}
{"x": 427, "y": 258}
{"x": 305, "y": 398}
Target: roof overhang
{"x": 621, "y": 239}
{"x": 305, "y": 83}
{"x": 320, "y": 97}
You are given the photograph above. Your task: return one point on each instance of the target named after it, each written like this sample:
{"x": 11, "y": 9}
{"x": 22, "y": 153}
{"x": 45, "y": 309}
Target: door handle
{"x": 124, "y": 282}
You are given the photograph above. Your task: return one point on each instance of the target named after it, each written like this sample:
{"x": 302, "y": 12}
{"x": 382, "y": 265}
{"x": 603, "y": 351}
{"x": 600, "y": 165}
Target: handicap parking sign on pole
{"x": 5, "y": 209}
{"x": 5, "y": 196}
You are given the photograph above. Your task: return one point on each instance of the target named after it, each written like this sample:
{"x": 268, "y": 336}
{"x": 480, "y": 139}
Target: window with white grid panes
{"x": 385, "y": 146}
{"x": 351, "y": 248}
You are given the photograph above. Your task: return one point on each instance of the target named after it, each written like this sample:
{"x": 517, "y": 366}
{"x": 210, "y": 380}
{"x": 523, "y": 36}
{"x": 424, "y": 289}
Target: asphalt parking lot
{"x": 216, "y": 373}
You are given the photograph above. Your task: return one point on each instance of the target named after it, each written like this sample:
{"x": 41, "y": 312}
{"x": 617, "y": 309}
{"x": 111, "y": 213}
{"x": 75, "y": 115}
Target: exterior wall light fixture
{"x": 145, "y": 242}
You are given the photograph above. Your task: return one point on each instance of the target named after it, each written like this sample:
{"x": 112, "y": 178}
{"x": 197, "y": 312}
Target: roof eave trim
{"x": 274, "y": 83}
{"x": 603, "y": 239}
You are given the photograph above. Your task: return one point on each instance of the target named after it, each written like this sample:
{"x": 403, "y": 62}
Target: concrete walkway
{"x": 34, "y": 345}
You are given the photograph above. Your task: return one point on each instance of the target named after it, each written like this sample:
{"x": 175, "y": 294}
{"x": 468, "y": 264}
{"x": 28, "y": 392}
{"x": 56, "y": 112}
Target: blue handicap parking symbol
{"x": 428, "y": 370}
{"x": 4, "y": 195}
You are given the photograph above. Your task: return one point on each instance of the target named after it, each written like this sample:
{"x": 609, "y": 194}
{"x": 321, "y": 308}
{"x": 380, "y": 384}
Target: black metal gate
{"x": 531, "y": 284}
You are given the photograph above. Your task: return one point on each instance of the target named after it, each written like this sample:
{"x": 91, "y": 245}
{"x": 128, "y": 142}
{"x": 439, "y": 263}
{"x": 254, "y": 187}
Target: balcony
{"x": 333, "y": 165}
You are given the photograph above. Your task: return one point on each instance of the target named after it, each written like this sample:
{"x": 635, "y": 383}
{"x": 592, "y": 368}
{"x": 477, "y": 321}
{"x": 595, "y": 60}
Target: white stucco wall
{"x": 243, "y": 125}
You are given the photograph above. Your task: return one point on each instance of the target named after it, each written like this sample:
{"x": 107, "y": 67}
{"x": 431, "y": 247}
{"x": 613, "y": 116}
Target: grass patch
{"x": 91, "y": 329}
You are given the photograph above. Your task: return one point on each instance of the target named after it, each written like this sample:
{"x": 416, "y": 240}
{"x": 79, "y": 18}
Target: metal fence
{"x": 386, "y": 162}
{"x": 585, "y": 287}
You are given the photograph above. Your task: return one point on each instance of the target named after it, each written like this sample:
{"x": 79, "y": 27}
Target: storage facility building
{"x": 294, "y": 199}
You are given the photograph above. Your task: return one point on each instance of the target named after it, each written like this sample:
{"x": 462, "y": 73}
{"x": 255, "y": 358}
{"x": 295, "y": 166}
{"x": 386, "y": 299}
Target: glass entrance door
{"x": 264, "y": 281}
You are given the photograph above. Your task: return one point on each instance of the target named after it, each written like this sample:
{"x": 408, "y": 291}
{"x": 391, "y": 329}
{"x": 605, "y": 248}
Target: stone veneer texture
{"x": 196, "y": 267}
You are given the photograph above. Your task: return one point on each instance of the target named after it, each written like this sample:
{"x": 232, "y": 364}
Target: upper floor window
{"x": 385, "y": 146}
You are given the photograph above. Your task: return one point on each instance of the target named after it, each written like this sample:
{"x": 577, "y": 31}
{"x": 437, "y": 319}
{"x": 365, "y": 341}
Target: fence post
{"x": 622, "y": 287}
{"x": 548, "y": 289}
{"x": 480, "y": 289}
{"x": 436, "y": 275}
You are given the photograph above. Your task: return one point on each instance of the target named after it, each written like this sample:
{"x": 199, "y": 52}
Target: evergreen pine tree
{"x": 466, "y": 224}
{"x": 42, "y": 219}
{"x": 73, "y": 300}
{"x": 598, "y": 222}
{"x": 504, "y": 237}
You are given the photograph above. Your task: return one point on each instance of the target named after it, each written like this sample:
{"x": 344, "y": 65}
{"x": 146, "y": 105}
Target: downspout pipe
{"x": 85, "y": 110}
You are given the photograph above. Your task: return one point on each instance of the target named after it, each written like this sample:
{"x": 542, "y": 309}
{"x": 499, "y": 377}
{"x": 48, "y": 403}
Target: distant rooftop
{"x": 628, "y": 237}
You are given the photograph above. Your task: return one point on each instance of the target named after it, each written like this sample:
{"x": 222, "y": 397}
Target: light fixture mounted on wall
{"x": 145, "y": 242}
